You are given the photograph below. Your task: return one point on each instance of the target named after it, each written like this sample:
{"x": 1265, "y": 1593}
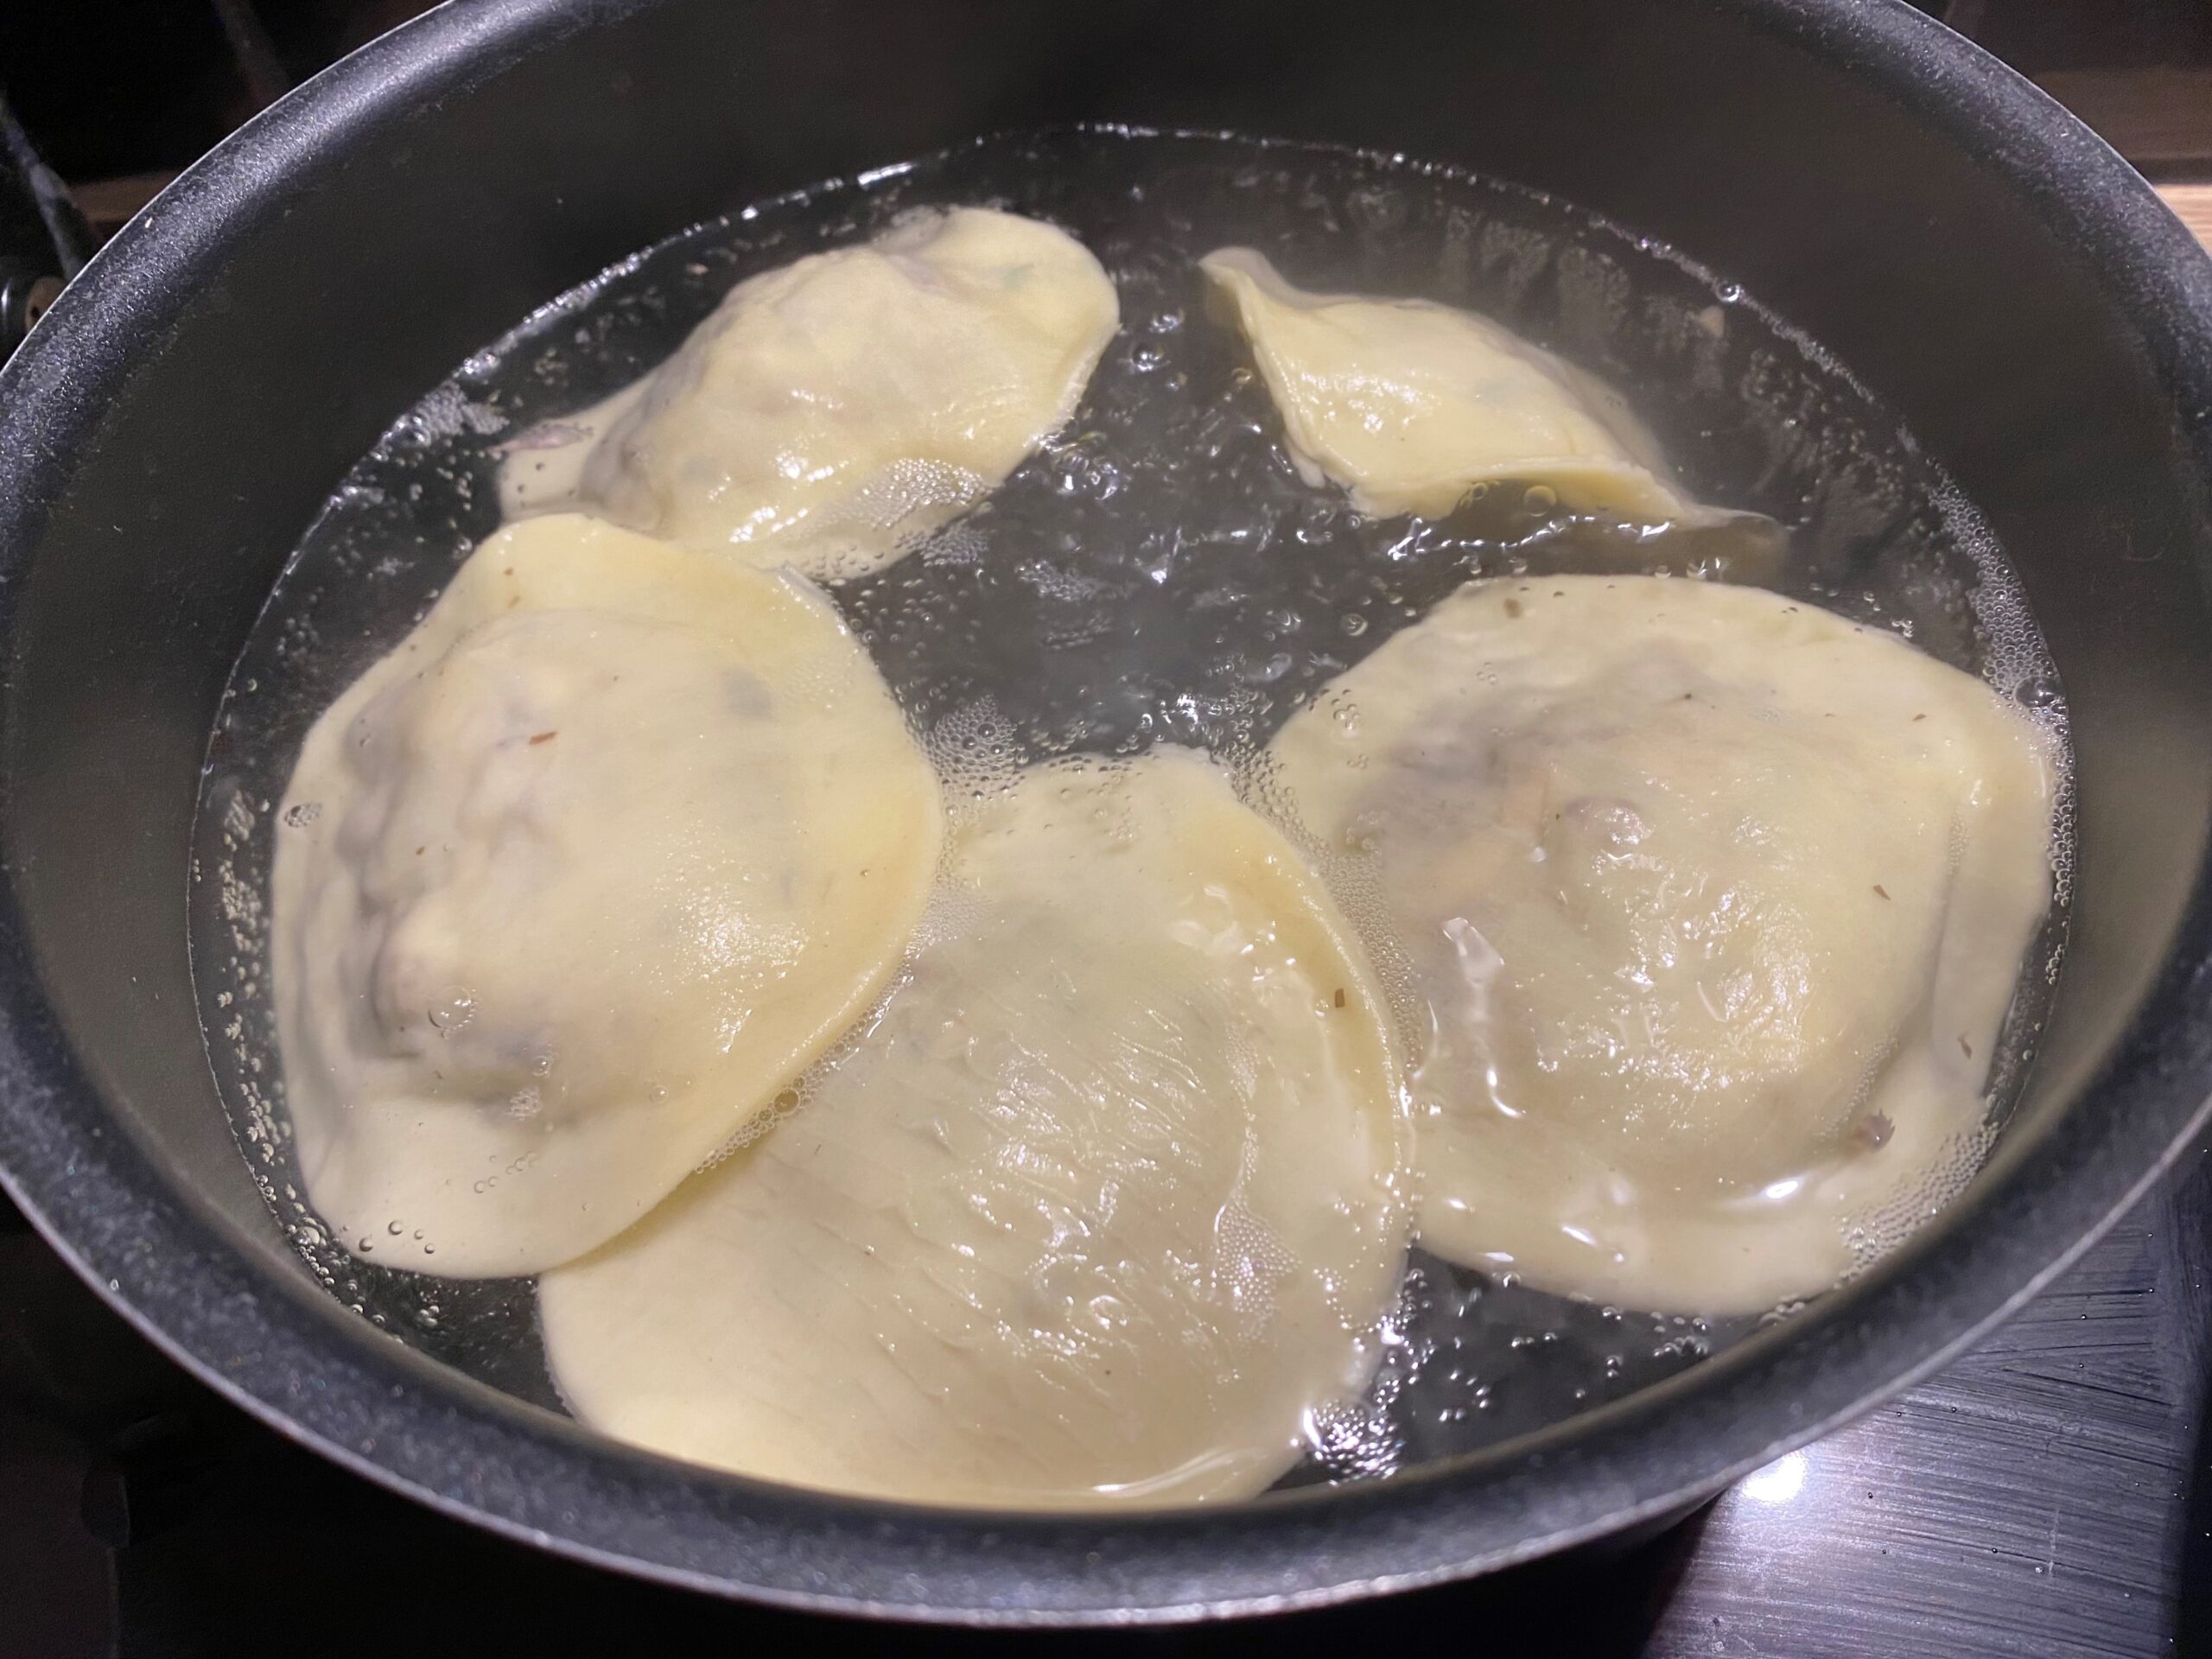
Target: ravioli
{"x": 1407, "y": 406}
{"x": 1715, "y": 903}
{"x": 571, "y": 883}
{"x": 832, "y": 412}
{"x": 1099, "y": 1210}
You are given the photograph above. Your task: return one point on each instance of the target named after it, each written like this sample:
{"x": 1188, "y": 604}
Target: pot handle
{"x": 44, "y": 240}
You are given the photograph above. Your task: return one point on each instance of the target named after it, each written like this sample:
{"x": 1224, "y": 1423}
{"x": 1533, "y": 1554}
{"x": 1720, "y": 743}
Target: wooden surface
{"x": 2159, "y": 118}
{"x": 2194, "y": 203}
{"x": 108, "y": 204}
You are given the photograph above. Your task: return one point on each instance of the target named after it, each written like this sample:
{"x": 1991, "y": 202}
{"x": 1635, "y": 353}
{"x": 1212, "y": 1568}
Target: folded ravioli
{"x": 1102, "y": 1206}
{"x": 571, "y": 883}
{"x": 1716, "y": 902}
{"x": 831, "y": 412}
{"x": 1407, "y": 406}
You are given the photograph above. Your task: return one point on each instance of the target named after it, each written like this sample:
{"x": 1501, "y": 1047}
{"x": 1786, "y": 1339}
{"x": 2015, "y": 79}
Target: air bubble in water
{"x": 453, "y": 1010}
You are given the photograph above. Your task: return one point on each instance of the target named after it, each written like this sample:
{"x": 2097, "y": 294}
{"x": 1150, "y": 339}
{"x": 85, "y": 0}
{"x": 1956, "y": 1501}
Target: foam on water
{"x": 1157, "y": 572}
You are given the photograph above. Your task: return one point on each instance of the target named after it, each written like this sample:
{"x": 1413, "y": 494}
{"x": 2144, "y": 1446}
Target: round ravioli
{"x": 1716, "y": 903}
{"x": 1100, "y": 1209}
{"x": 571, "y": 883}
{"x": 832, "y": 411}
{"x": 1408, "y": 404}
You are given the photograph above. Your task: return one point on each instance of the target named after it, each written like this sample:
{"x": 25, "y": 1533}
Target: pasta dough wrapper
{"x": 571, "y": 883}
{"x": 832, "y": 412}
{"x": 1715, "y": 902}
{"x": 1099, "y": 1210}
{"x": 1408, "y": 404}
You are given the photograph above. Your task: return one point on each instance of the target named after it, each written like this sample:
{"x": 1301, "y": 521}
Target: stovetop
{"x": 2048, "y": 1494}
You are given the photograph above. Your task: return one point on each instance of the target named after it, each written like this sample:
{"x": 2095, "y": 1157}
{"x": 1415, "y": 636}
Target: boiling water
{"x": 1157, "y": 572}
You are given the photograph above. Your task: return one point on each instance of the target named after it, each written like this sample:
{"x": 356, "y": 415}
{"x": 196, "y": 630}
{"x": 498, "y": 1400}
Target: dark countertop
{"x": 2046, "y": 1495}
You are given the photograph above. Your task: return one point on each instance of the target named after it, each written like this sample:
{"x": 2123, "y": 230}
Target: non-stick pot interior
{"x": 241, "y": 346}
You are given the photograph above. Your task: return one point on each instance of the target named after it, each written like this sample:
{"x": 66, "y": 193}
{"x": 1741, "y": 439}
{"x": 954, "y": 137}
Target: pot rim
{"x": 278, "y": 1347}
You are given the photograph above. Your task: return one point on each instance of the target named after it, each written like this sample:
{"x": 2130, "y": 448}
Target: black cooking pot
{"x": 1987, "y": 266}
